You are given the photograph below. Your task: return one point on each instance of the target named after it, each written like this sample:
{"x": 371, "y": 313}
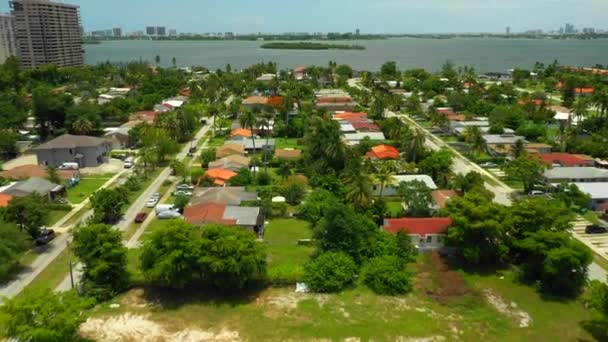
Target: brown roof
{"x": 234, "y": 160}
{"x": 230, "y": 149}
{"x": 255, "y": 100}
{"x": 207, "y": 213}
{"x": 29, "y": 171}
{"x": 5, "y": 200}
{"x": 441, "y": 197}
{"x": 288, "y": 153}
{"x": 71, "y": 141}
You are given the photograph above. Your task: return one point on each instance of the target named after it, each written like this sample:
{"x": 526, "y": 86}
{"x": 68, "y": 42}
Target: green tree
{"x": 417, "y": 197}
{"x": 527, "y": 170}
{"x": 325, "y": 149}
{"x": 8, "y": 145}
{"x": 107, "y": 205}
{"x": 344, "y": 230}
{"x": 383, "y": 175}
{"x": 181, "y": 202}
{"x": 53, "y": 176}
{"x": 330, "y": 272}
{"x": 207, "y": 156}
{"x": 42, "y": 316}
{"x": 82, "y": 126}
{"x": 231, "y": 259}
{"x": 316, "y": 205}
{"x": 532, "y": 214}
{"x": 479, "y": 229}
{"x": 30, "y": 213}
{"x": 170, "y": 256}
{"x": 474, "y": 136}
{"x": 466, "y": 183}
{"x": 389, "y": 71}
{"x": 406, "y": 250}
{"x": 99, "y": 247}
{"x": 294, "y": 191}
{"x": 386, "y": 275}
{"x": 438, "y": 165}
{"x": 13, "y": 242}
{"x": 359, "y": 190}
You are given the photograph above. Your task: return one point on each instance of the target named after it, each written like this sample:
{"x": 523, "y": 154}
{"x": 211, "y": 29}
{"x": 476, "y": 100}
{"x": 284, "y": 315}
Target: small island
{"x": 310, "y": 46}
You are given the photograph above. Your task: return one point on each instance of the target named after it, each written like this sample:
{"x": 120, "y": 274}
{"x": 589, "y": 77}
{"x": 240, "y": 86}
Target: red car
{"x": 141, "y": 217}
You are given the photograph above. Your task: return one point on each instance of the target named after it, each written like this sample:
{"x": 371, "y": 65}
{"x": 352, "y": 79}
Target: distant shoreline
{"x": 310, "y": 46}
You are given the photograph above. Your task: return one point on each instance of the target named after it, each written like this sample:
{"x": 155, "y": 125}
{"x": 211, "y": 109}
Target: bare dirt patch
{"x": 510, "y": 310}
{"x": 132, "y": 328}
{"x": 437, "y": 280}
{"x": 289, "y": 300}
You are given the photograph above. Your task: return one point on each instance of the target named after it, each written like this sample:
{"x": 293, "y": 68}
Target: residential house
{"x": 229, "y": 149}
{"x": 5, "y": 199}
{"x": 29, "y": 171}
{"x": 240, "y": 134}
{"x": 233, "y": 163}
{"x": 441, "y": 197}
{"x": 351, "y": 117}
{"x": 35, "y": 185}
{"x": 119, "y": 138}
{"x": 564, "y": 115}
{"x": 227, "y": 195}
{"x": 220, "y": 176}
{"x": 598, "y": 193}
{"x": 85, "y": 150}
{"x": 427, "y": 234}
{"x": 347, "y": 128}
{"x": 255, "y": 101}
{"x": 249, "y": 218}
{"x": 355, "y": 138}
{"x": 392, "y": 188}
{"x": 456, "y": 127}
{"x": 144, "y": 116}
{"x": 383, "y": 152}
{"x": 288, "y": 154}
{"x": 576, "y": 175}
{"x": 538, "y": 148}
{"x": 566, "y": 159}
{"x": 266, "y": 78}
{"x": 366, "y": 126}
{"x": 260, "y": 145}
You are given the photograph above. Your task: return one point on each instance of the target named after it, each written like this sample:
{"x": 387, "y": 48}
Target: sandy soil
{"x": 511, "y": 310}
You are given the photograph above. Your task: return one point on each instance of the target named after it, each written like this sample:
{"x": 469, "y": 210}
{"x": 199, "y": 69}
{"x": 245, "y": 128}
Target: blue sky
{"x": 411, "y": 16}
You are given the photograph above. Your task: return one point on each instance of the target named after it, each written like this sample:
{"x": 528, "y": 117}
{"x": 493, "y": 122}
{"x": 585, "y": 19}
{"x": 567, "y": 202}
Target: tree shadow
{"x": 458, "y": 263}
{"x": 596, "y": 328}
{"x": 172, "y": 299}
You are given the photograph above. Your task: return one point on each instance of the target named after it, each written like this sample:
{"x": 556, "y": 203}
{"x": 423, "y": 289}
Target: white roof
{"x": 174, "y": 103}
{"x": 595, "y": 190}
{"x": 279, "y": 199}
{"x": 361, "y": 135}
{"x": 408, "y": 178}
{"x": 347, "y": 128}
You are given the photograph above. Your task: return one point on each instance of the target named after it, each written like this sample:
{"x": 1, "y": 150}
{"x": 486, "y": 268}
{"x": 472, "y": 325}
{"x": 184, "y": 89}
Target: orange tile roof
{"x": 220, "y": 176}
{"x": 383, "y": 152}
{"x": 4, "y": 200}
{"x": 348, "y": 116}
{"x": 255, "y": 100}
{"x": 207, "y": 213}
{"x": 241, "y": 132}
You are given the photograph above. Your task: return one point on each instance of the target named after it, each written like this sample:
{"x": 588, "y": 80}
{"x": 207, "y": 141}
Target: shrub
{"x": 264, "y": 178}
{"x": 294, "y": 192}
{"x": 385, "y": 275}
{"x": 330, "y": 272}
{"x": 195, "y": 175}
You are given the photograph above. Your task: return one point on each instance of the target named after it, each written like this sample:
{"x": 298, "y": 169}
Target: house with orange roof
{"x": 255, "y": 101}
{"x": 28, "y": 171}
{"x": 441, "y": 197}
{"x": 350, "y": 116}
{"x": 240, "y": 133}
{"x": 566, "y": 160}
{"x": 383, "y": 152}
{"x": 220, "y": 176}
{"x": 5, "y": 200}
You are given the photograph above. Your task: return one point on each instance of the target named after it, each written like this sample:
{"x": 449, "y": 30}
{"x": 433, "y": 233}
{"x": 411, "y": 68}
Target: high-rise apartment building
{"x": 117, "y": 32}
{"x": 161, "y": 31}
{"x": 7, "y": 38}
{"x": 47, "y": 32}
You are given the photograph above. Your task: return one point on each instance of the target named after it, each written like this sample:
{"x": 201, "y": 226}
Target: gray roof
{"x": 30, "y": 186}
{"x": 576, "y": 173}
{"x": 71, "y": 141}
{"x": 360, "y": 136}
{"x": 227, "y": 196}
{"x": 486, "y": 129}
{"x": 244, "y": 216}
{"x": 408, "y": 178}
{"x": 248, "y": 144}
{"x": 495, "y": 139}
{"x": 597, "y": 191}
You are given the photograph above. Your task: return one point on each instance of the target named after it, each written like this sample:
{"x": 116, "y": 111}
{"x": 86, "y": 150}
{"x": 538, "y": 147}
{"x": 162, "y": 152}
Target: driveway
{"x": 29, "y": 159}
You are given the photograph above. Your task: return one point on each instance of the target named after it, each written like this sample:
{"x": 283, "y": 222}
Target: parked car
{"x": 489, "y": 165}
{"x": 156, "y": 195}
{"x": 182, "y": 193}
{"x": 185, "y": 187}
{"x": 141, "y": 217}
{"x": 595, "y": 229}
{"x": 163, "y": 207}
{"x": 168, "y": 214}
{"x": 46, "y": 236}
{"x": 152, "y": 202}
{"x": 128, "y": 164}
{"x": 69, "y": 166}
{"x": 537, "y": 193}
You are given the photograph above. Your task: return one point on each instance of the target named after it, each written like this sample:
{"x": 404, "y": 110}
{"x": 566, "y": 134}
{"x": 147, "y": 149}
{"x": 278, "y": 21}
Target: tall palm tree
{"x": 249, "y": 120}
{"x": 267, "y": 119}
{"x": 82, "y": 126}
{"x": 359, "y": 190}
{"x": 415, "y": 147}
{"x": 600, "y": 98}
{"x": 474, "y": 136}
{"x": 384, "y": 176}
{"x": 580, "y": 109}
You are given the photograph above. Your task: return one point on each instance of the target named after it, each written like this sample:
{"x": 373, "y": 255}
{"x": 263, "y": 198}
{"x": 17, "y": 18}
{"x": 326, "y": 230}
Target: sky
{"x": 372, "y": 16}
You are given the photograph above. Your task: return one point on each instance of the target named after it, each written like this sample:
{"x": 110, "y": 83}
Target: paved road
{"x": 137, "y": 207}
{"x": 51, "y": 251}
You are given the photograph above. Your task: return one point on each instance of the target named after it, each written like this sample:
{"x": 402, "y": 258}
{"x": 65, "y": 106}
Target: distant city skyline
{"x": 370, "y": 16}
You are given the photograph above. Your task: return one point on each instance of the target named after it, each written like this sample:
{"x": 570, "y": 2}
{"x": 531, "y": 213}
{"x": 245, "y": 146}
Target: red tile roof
{"x": 584, "y": 90}
{"x": 419, "y": 226}
{"x": 4, "y": 200}
{"x": 446, "y": 112}
{"x": 365, "y": 126}
{"x": 383, "y": 152}
{"x": 565, "y": 159}
{"x": 207, "y": 213}
{"x": 334, "y": 100}
{"x": 274, "y": 101}
{"x": 351, "y": 117}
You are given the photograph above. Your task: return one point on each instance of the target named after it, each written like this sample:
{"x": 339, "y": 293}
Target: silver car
{"x": 168, "y": 214}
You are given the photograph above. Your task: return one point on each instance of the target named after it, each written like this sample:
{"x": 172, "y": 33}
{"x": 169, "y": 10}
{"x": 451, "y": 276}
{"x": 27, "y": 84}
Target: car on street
{"x": 141, "y": 217}
{"x": 168, "y": 214}
{"x": 152, "y": 202}
{"x": 595, "y": 229}
{"x": 46, "y": 236}
{"x": 182, "y": 193}
{"x": 537, "y": 193}
{"x": 186, "y": 187}
{"x": 489, "y": 165}
{"x": 156, "y": 195}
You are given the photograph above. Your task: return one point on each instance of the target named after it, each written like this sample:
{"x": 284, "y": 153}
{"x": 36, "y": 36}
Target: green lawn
{"x": 55, "y": 216}
{"x": 285, "y": 258}
{"x": 395, "y": 208}
{"x": 84, "y": 189}
{"x": 287, "y": 143}
{"x": 54, "y": 274}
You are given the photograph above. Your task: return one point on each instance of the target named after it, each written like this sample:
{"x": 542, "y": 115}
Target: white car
{"x": 182, "y": 193}
{"x": 489, "y": 165}
{"x": 184, "y": 187}
{"x": 152, "y": 202}
{"x": 168, "y": 214}
{"x": 156, "y": 195}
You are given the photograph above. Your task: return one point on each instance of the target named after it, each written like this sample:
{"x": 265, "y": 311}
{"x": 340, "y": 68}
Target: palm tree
{"x": 580, "y": 109}
{"x": 267, "y": 119}
{"x": 601, "y": 101}
{"x": 359, "y": 190}
{"x": 249, "y": 120}
{"x": 82, "y": 126}
{"x": 474, "y": 136}
{"x": 383, "y": 175}
{"x": 415, "y": 146}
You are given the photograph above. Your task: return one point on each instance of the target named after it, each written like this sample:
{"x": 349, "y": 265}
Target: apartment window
{"x": 421, "y": 241}
{"x": 429, "y": 239}
{"x": 439, "y": 238}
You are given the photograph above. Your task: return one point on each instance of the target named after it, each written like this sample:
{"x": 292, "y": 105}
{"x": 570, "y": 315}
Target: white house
{"x": 427, "y": 233}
